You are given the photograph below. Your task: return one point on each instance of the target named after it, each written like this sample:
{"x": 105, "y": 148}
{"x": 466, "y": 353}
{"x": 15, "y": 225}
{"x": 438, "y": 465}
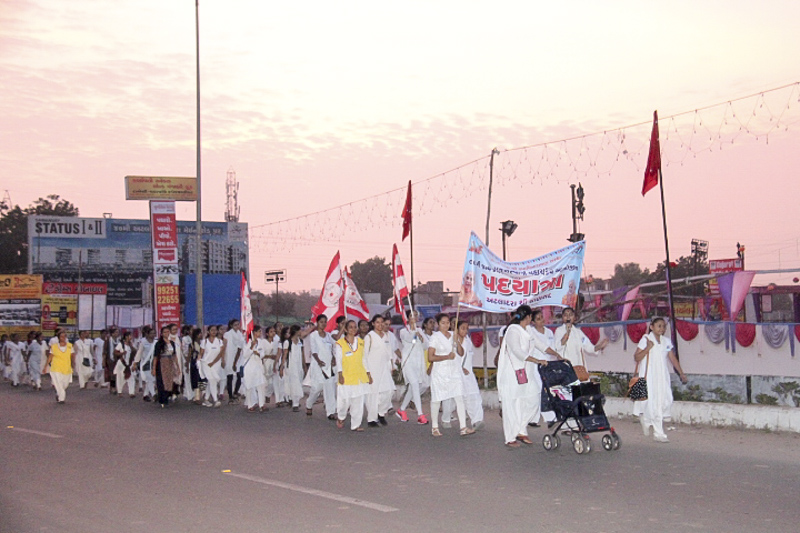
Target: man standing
{"x": 232, "y": 346}
{"x": 323, "y": 378}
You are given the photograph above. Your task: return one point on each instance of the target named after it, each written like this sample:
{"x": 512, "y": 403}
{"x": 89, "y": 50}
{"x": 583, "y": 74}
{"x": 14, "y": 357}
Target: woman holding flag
{"x": 413, "y": 367}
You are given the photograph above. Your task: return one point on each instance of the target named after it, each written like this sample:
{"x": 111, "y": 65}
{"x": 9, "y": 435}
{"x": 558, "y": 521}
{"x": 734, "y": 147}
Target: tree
{"x": 628, "y": 275}
{"x": 14, "y": 230}
{"x": 373, "y": 275}
{"x": 684, "y": 267}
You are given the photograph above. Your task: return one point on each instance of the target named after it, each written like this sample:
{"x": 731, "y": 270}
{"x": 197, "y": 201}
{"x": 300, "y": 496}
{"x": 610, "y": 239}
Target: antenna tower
{"x": 232, "y": 193}
{"x": 5, "y": 206}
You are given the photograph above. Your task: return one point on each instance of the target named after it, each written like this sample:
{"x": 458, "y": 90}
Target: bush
{"x": 766, "y": 399}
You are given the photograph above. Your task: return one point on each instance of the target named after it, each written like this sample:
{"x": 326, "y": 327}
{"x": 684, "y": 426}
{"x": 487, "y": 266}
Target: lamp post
{"x": 507, "y": 228}
{"x": 199, "y": 226}
{"x": 699, "y": 249}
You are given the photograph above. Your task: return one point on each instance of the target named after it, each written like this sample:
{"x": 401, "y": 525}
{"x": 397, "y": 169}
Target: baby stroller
{"x": 578, "y": 408}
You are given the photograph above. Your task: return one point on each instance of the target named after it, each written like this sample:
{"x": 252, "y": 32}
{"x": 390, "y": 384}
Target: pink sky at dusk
{"x": 316, "y": 104}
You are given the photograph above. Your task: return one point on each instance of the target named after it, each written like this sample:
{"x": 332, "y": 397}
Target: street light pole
{"x": 199, "y": 226}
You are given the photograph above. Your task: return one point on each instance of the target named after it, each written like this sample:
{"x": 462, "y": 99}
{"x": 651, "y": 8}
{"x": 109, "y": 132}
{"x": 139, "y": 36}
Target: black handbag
{"x": 86, "y": 362}
{"x": 637, "y": 387}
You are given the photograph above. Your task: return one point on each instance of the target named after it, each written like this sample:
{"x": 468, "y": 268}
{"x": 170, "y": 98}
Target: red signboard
{"x": 165, "y": 262}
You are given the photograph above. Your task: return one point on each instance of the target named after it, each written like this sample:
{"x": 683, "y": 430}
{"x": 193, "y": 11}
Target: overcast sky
{"x": 315, "y": 104}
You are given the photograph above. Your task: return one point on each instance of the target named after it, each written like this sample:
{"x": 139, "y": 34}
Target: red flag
{"x": 399, "y": 282}
{"x": 407, "y": 213}
{"x": 246, "y": 318}
{"x": 331, "y": 300}
{"x": 354, "y": 304}
{"x": 653, "y": 159}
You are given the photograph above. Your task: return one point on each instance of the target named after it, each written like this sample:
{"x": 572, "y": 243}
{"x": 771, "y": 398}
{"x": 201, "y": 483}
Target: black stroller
{"x": 575, "y": 417}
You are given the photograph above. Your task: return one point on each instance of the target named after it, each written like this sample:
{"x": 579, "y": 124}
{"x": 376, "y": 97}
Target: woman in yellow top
{"x": 60, "y": 362}
{"x": 354, "y": 380}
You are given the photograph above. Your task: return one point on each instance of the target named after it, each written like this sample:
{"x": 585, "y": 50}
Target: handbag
{"x": 522, "y": 376}
{"x": 86, "y": 362}
{"x": 580, "y": 372}
{"x": 637, "y": 386}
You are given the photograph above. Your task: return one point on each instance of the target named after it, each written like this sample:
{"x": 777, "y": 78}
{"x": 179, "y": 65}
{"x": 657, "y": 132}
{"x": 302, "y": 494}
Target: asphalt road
{"x": 102, "y": 463}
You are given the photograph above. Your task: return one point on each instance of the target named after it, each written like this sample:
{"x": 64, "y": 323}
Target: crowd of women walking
{"x": 352, "y": 370}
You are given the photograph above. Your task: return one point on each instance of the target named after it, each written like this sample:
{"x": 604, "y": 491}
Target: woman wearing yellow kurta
{"x": 60, "y": 363}
{"x": 354, "y": 380}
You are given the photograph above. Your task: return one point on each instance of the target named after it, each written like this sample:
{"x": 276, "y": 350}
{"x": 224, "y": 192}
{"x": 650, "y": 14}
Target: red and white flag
{"x": 246, "y": 318}
{"x": 331, "y": 300}
{"x": 399, "y": 282}
{"x": 354, "y": 304}
{"x": 653, "y": 159}
{"x": 407, "y": 213}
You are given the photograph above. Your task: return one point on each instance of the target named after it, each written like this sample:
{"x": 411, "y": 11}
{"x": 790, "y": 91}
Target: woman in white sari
{"x": 653, "y": 356}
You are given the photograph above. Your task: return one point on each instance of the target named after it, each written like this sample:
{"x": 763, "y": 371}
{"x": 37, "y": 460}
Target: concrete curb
{"x": 773, "y": 418}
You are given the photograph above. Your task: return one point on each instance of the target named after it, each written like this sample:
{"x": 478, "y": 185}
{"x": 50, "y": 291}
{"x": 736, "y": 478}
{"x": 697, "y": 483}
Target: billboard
{"x": 20, "y": 303}
{"x": 165, "y": 263}
{"x": 160, "y": 188}
{"x": 119, "y": 253}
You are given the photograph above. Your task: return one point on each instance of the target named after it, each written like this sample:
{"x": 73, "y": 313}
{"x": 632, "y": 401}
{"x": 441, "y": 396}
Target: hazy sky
{"x": 316, "y": 104}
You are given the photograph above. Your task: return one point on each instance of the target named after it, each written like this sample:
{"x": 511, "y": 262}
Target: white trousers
{"x": 60, "y": 383}
{"x": 85, "y": 373}
{"x": 148, "y": 383}
{"x": 473, "y": 404}
{"x": 99, "y": 373}
{"x": 378, "y": 404}
{"x": 35, "y": 371}
{"x": 121, "y": 382}
{"x": 413, "y": 393}
{"x": 255, "y": 396}
{"x": 517, "y": 412}
{"x": 356, "y": 408}
{"x": 460, "y": 411}
{"x": 213, "y": 385}
{"x": 328, "y": 390}
{"x": 277, "y": 385}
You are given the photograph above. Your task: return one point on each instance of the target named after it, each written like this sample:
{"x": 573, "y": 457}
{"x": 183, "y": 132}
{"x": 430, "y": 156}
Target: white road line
{"x": 320, "y": 493}
{"x": 41, "y": 433}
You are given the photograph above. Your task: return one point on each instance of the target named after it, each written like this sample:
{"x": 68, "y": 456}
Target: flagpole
{"x": 673, "y": 325}
{"x": 411, "y": 244}
{"x": 483, "y": 314}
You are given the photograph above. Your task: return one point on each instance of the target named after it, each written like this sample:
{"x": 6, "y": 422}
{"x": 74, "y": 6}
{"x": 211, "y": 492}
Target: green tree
{"x": 684, "y": 267}
{"x": 14, "y": 230}
{"x": 628, "y": 275}
{"x": 373, "y": 275}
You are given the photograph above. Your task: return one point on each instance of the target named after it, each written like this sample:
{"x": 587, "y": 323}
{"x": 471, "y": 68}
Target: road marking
{"x": 40, "y": 433}
{"x": 320, "y": 493}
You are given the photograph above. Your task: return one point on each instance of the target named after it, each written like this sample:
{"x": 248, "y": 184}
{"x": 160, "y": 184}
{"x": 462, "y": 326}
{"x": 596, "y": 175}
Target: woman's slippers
{"x": 513, "y": 444}
{"x": 524, "y": 439}
{"x": 339, "y": 424}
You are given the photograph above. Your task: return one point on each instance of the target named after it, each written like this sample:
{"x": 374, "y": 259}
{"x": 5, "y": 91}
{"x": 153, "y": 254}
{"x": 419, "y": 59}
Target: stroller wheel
{"x": 582, "y": 445}
{"x": 616, "y": 441}
{"x": 551, "y": 442}
{"x": 608, "y": 443}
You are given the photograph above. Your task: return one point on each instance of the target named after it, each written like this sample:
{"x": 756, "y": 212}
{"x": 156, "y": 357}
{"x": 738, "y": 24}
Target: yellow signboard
{"x": 160, "y": 188}
{"x": 15, "y": 286}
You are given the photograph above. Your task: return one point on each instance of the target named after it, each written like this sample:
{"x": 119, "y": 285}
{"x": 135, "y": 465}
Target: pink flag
{"x": 630, "y": 296}
{"x": 331, "y": 300}
{"x": 733, "y": 288}
{"x": 354, "y": 304}
{"x": 246, "y": 318}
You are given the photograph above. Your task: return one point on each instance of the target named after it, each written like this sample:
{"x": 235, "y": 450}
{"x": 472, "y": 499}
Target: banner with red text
{"x": 164, "y": 231}
{"x": 490, "y": 284}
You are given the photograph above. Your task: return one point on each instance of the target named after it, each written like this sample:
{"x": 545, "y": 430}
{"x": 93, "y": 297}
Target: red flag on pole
{"x": 407, "y": 213}
{"x": 653, "y": 159}
{"x": 399, "y": 282}
{"x": 246, "y": 318}
{"x": 354, "y": 304}
{"x": 331, "y": 300}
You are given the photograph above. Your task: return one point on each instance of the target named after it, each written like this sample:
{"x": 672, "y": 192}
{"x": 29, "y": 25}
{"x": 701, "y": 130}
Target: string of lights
{"x": 683, "y": 135}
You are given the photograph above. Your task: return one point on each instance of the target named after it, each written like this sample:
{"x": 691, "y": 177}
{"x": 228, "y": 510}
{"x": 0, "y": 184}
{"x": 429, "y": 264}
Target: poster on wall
{"x": 165, "y": 263}
{"x": 20, "y": 303}
{"x": 717, "y": 309}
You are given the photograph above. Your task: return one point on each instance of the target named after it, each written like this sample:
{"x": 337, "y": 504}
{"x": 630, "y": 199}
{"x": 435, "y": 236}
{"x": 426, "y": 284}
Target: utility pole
{"x": 495, "y": 151}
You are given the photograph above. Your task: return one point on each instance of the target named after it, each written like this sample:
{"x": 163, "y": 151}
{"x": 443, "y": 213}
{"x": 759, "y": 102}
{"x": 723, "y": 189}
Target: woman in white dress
{"x": 295, "y": 366}
{"x": 254, "y": 380}
{"x": 269, "y": 353}
{"x": 379, "y": 356}
{"x": 36, "y": 358}
{"x": 446, "y": 380}
{"x": 83, "y": 358}
{"x": 123, "y": 352}
{"x": 143, "y": 362}
{"x": 542, "y": 336}
{"x": 211, "y": 362}
{"x": 473, "y": 402}
{"x": 653, "y": 356}
{"x": 518, "y": 390}
{"x": 280, "y": 366}
{"x": 413, "y": 350}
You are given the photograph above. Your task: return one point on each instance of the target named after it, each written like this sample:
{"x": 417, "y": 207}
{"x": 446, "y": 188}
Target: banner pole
{"x": 672, "y": 325}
